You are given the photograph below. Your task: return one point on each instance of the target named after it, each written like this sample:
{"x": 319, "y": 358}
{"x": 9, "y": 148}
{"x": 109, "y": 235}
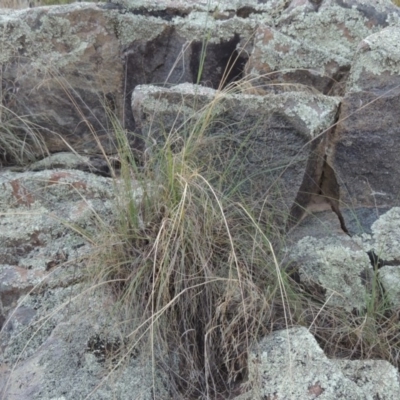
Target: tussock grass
{"x": 190, "y": 264}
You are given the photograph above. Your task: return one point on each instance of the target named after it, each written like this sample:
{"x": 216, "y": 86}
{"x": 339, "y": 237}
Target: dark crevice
{"x": 378, "y": 263}
{"x": 150, "y": 62}
{"x": 337, "y": 85}
{"x": 319, "y": 188}
{"x": 329, "y": 189}
{"x": 167, "y": 15}
{"x": 245, "y": 12}
{"x": 169, "y": 60}
{"x": 222, "y": 65}
{"x": 329, "y": 185}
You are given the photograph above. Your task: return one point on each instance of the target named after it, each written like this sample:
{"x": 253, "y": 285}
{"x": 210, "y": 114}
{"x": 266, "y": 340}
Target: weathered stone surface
{"x": 383, "y": 244}
{"x": 46, "y": 220}
{"x": 277, "y": 142}
{"x": 324, "y": 257}
{"x": 386, "y": 236}
{"x": 61, "y": 65}
{"x": 241, "y": 8}
{"x": 68, "y": 160}
{"x": 389, "y": 276}
{"x": 96, "y": 55}
{"x": 376, "y": 378}
{"x": 312, "y": 43}
{"x": 289, "y": 364}
{"x": 58, "y": 345}
{"x": 338, "y": 266}
{"x": 53, "y": 327}
{"x": 364, "y": 153}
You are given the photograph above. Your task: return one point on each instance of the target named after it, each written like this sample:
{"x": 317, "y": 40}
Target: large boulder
{"x": 269, "y": 148}
{"x": 61, "y": 67}
{"x": 43, "y": 219}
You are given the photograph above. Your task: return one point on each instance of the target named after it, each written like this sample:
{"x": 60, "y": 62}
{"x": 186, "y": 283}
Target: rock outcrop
{"x": 303, "y": 119}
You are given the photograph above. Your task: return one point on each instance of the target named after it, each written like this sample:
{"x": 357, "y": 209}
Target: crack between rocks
{"x": 168, "y": 14}
{"x": 329, "y": 189}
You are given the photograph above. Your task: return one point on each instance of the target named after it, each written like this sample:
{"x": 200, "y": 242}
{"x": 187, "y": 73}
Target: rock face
{"x": 337, "y": 265}
{"x": 366, "y": 144}
{"x": 64, "y": 66}
{"x": 289, "y": 364}
{"x": 342, "y": 267}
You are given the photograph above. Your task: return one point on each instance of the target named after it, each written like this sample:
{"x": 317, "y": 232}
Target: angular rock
{"x": 61, "y": 67}
{"x": 376, "y": 378}
{"x": 312, "y": 44}
{"x": 337, "y": 266}
{"x": 61, "y": 345}
{"x": 386, "y": 236}
{"x": 389, "y": 276}
{"x": 270, "y": 148}
{"x": 364, "y": 152}
{"x": 383, "y": 244}
{"x": 289, "y": 364}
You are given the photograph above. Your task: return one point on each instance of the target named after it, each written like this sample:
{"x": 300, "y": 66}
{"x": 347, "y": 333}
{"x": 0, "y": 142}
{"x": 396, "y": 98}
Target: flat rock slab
{"x": 269, "y": 148}
{"x": 56, "y": 346}
{"x": 289, "y": 365}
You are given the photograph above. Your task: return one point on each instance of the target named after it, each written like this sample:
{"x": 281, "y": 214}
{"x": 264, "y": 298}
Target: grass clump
{"x": 189, "y": 263}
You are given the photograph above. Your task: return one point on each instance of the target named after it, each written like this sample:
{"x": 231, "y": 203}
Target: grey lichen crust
{"x": 52, "y": 357}
{"x": 289, "y": 365}
{"x": 49, "y": 315}
{"x": 336, "y": 268}
{"x": 311, "y": 113}
{"x": 377, "y": 55}
{"x": 385, "y": 243}
{"x": 386, "y": 235}
{"x": 54, "y": 30}
{"x": 201, "y": 5}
